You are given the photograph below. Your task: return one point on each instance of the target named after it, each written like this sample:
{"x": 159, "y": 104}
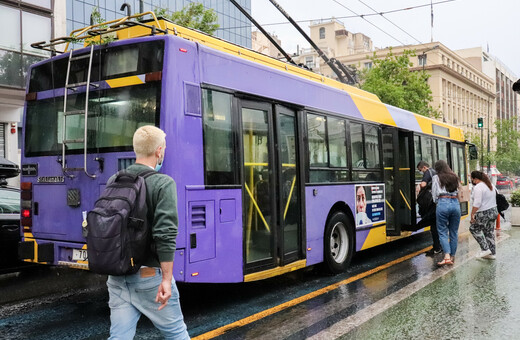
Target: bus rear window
{"x": 122, "y": 62}
{"x": 118, "y": 61}
{"x": 114, "y": 115}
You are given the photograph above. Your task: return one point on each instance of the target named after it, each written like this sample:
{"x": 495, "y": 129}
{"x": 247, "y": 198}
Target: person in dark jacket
{"x": 427, "y": 206}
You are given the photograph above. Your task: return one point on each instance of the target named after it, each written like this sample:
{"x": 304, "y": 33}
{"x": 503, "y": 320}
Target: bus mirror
{"x": 473, "y": 154}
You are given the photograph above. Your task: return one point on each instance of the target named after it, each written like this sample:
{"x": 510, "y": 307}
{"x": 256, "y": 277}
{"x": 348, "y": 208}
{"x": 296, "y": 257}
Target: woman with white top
{"x": 483, "y": 214}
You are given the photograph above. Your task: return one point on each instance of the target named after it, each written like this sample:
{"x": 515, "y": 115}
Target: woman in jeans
{"x": 444, "y": 191}
{"x": 483, "y": 214}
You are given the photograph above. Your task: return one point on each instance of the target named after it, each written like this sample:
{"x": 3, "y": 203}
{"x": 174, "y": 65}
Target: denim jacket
{"x": 437, "y": 190}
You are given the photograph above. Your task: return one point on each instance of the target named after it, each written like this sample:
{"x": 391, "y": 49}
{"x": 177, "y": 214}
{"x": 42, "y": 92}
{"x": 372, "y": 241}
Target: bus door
{"x": 271, "y": 186}
{"x": 400, "y": 202}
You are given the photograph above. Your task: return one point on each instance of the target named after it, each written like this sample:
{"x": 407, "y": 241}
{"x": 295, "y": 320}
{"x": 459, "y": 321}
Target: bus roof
{"x": 369, "y": 105}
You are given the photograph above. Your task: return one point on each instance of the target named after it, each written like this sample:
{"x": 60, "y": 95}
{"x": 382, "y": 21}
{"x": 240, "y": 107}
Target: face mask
{"x": 159, "y": 165}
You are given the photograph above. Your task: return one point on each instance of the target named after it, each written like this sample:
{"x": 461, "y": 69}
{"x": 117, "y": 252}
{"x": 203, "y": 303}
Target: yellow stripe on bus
{"x": 376, "y": 236}
{"x": 275, "y": 271}
{"x": 125, "y": 81}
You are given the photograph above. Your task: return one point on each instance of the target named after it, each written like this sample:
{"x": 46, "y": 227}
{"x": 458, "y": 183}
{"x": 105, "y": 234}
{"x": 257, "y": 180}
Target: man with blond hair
{"x": 152, "y": 290}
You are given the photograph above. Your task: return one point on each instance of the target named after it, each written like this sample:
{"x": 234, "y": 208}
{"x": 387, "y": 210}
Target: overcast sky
{"x": 457, "y": 24}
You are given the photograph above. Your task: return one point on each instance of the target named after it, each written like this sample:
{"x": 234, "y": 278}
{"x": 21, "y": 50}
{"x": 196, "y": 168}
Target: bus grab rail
{"x": 99, "y": 29}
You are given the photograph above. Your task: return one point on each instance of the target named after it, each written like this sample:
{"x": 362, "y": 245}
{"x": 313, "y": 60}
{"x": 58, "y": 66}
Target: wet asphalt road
{"x": 397, "y": 302}
{"x": 50, "y": 303}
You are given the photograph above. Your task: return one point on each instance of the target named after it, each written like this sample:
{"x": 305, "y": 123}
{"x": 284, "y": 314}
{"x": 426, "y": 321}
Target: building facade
{"x": 335, "y": 41}
{"x": 507, "y": 101}
{"x": 261, "y": 44}
{"x": 234, "y": 26}
{"x": 22, "y": 22}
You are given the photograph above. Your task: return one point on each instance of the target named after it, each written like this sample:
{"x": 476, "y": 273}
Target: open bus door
{"x": 399, "y": 181}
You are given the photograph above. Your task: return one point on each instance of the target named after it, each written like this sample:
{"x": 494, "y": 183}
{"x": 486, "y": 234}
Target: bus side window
{"x": 318, "y": 148}
{"x": 356, "y": 141}
{"x": 219, "y": 148}
{"x": 427, "y": 150}
{"x": 418, "y": 156}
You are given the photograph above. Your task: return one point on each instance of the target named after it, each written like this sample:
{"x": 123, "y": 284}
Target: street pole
{"x": 482, "y": 149}
{"x": 488, "y": 137}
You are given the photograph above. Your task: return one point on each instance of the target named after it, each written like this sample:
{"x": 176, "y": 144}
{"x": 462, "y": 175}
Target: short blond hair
{"x": 147, "y": 139}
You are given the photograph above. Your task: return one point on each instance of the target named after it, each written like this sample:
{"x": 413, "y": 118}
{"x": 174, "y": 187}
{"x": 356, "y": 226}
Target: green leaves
{"x": 392, "y": 81}
{"x": 193, "y": 16}
{"x": 507, "y": 155}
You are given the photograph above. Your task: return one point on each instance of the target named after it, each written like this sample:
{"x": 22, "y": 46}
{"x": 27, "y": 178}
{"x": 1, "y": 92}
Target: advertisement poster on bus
{"x": 370, "y": 204}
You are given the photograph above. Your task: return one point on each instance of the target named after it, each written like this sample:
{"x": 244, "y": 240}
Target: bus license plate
{"x": 79, "y": 254}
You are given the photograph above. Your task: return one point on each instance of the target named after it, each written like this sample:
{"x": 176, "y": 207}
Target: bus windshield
{"x": 113, "y": 117}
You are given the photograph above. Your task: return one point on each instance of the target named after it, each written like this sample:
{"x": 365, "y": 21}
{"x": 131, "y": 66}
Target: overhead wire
{"x": 345, "y": 17}
{"x": 390, "y": 21}
{"x": 371, "y": 23}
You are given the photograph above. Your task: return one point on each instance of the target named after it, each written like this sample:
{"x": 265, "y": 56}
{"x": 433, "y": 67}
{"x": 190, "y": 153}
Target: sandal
{"x": 444, "y": 262}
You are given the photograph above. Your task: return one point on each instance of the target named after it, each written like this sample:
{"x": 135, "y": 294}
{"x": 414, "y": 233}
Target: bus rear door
{"x": 271, "y": 186}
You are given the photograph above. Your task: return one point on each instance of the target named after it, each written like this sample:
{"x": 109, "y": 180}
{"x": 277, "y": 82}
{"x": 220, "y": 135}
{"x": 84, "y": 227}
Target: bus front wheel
{"x": 339, "y": 243}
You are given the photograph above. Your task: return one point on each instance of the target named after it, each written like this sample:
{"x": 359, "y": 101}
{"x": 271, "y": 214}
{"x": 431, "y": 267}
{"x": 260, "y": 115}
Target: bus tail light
{"x": 26, "y": 204}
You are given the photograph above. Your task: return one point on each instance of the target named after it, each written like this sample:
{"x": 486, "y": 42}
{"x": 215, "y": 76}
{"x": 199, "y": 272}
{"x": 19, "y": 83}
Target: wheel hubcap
{"x": 339, "y": 242}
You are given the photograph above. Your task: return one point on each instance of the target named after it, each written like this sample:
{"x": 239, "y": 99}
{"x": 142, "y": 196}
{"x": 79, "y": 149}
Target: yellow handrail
{"x": 405, "y": 200}
{"x": 289, "y": 198}
{"x": 388, "y": 203}
{"x": 257, "y": 208}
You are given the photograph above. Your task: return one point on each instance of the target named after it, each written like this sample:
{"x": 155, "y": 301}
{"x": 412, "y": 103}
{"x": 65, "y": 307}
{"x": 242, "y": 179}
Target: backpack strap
{"x": 147, "y": 173}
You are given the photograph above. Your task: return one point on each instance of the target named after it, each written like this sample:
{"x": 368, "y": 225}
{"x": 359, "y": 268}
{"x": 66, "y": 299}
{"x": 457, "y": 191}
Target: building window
{"x": 16, "y": 58}
{"x": 368, "y": 65}
{"x": 309, "y": 62}
{"x": 322, "y": 32}
{"x": 422, "y": 60}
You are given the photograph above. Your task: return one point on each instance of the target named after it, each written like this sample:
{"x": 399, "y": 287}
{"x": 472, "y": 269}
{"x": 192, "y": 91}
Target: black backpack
{"x": 502, "y": 203}
{"x": 117, "y": 231}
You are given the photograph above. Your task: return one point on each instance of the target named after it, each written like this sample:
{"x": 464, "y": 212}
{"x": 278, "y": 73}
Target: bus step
{"x": 72, "y": 113}
{"x": 84, "y": 56}
{"x": 73, "y": 169}
{"x": 70, "y": 86}
{"x": 70, "y": 141}
{"x": 73, "y": 264}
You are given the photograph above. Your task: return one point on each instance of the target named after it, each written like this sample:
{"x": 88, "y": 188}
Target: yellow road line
{"x": 260, "y": 315}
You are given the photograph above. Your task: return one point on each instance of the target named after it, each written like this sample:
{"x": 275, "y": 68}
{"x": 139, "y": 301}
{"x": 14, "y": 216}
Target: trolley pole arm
{"x": 264, "y": 32}
{"x": 320, "y": 52}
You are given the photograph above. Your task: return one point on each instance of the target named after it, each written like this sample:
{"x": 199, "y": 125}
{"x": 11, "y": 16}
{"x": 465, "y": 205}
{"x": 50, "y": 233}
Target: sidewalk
{"x": 476, "y": 299}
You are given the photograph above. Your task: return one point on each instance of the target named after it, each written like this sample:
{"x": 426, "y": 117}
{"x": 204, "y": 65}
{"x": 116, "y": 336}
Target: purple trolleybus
{"x": 277, "y": 168}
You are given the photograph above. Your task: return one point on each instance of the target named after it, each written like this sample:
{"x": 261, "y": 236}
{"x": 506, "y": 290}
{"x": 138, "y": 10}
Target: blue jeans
{"x": 131, "y": 295}
{"x": 448, "y": 219}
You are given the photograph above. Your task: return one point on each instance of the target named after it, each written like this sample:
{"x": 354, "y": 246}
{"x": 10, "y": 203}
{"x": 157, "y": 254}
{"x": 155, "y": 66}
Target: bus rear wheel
{"x": 339, "y": 243}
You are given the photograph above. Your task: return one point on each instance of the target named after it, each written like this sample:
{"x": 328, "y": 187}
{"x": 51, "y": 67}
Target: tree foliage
{"x": 193, "y": 16}
{"x": 507, "y": 156}
{"x": 391, "y": 79}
